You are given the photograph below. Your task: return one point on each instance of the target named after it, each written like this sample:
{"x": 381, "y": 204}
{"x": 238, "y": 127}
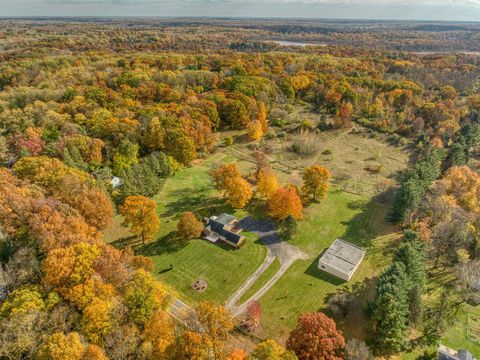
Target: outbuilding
{"x": 341, "y": 259}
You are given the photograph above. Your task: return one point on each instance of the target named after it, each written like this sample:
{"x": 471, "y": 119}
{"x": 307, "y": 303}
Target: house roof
{"x": 218, "y": 227}
{"x": 225, "y": 219}
{"x": 343, "y": 256}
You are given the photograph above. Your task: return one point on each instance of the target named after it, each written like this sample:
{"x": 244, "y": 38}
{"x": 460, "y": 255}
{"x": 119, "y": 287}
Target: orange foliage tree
{"x": 140, "y": 214}
{"x": 224, "y": 172}
{"x": 189, "y": 227}
{"x": 316, "y": 338}
{"x": 284, "y": 202}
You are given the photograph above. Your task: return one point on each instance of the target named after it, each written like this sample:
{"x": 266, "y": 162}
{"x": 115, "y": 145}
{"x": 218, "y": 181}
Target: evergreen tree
{"x": 416, "y": 182}
{"x": 289, "y": 227}
{"x": 459, "y": 154}
{"x": 389, "y": 311}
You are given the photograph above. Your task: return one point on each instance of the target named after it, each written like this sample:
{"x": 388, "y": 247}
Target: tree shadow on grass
{"x": 367, "y": 224}
{"x": 314, "y": 271}
{"x": 132, "y": 241}
{"x": 167, "y": 244}
{"x": 200, "y": 204}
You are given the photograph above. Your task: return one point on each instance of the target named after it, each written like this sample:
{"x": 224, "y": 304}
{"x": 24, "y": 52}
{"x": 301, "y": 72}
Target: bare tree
{"x": 357, "y": 350}
{"x": 469, "y": 278}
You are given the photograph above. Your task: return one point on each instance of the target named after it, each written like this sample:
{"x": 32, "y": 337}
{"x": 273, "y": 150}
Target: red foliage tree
{"x": 316, "y": 338}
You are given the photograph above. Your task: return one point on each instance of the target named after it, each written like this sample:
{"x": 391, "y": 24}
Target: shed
{"x": 341, "y": 259}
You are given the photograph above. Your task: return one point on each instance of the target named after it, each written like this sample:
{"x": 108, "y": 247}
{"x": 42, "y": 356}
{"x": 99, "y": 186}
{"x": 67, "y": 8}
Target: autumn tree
{"x": 217, "y": 323}
{"x": 238, "y": 192}
{"x": 94, "y": 352}
{"x": 316, "y": 337}
{"x": 59, "y": 347}
{"x": 254, "y": 313}
{"x": 189, "y": 227}
{"x": 222, "y": 173}
{"x": 97, "y": 320}
{"x": 158, "y": 335}
{"x": 343, "y": 118}
{"x": 255, "y": 130}
{"x": 140, "y": 214}
{"x": 262, "y": 116}
{"x": 143, "y": 296}
{"x": 267, "y": 182}
{"x": 284, "y": 202}
{"x": 271, "y": 350}
{"x": 192, "y": 346}
{"x": 237, "y": 354}
{"x": 316, "y": 182}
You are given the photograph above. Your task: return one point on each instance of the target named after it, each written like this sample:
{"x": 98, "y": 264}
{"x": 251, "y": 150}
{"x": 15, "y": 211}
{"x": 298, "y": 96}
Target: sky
{"x": 463, "y": 10}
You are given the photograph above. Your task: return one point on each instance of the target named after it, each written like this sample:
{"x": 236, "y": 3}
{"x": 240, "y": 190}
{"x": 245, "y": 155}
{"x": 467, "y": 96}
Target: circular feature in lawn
{"x": 200, "y": 285}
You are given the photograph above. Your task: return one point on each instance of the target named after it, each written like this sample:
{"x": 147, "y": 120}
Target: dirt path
{"x": 286, "y": 254}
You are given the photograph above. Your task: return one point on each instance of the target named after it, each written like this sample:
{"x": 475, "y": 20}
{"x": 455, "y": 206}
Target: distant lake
{"x": 295, "y": 43}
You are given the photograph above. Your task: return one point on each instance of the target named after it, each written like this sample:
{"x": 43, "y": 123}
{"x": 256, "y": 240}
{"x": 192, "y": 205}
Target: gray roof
{"x": 343, "y": 256}
{"x": 218, "y": 227}
{"x": 225, "y": 219}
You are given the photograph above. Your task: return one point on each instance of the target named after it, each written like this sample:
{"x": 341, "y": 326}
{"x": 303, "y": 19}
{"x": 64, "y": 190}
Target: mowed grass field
{"x": 179, "y": 264}
{"x": 304, "y": 288}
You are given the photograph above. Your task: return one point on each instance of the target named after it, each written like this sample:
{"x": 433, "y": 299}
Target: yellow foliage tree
{"x": 316, "y": 182}
{"x": 239, "y": 192}
{"x": 140, "y": 214}
{"x": 255, "y": 130}
{"x": 61, "y": 347}
{"x": 217, "y": 323}
{"x": 267, "y": 182}
{"x": 97, "y": 320}
{"x": 262, "y": 116}
{"x": 158, "y": 335}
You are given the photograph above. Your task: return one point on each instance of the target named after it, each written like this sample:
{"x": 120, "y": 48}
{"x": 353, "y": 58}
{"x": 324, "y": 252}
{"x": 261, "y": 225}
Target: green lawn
{"x": 223, "y": 268}
{"x": 263, "y": 278}
{"x": 304, "y": 288}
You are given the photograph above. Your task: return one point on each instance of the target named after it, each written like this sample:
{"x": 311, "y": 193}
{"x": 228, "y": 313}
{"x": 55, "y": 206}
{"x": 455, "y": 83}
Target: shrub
{"x": 373, "y": 168}
{"x": 305, "y": 145}
{"x": 229, "y": 141}
{"x": 327, "y": 152}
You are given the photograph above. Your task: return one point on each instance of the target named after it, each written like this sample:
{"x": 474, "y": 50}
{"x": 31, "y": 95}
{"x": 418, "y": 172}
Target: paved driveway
{"x": 287, "y": 254}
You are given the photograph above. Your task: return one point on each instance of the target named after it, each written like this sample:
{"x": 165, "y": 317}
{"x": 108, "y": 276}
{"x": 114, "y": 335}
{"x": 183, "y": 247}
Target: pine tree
{"x": 289, "y": 227}
{"x": 389, "y": 311}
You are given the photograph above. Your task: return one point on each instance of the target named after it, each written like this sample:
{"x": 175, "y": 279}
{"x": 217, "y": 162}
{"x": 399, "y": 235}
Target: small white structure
{"x": 116, "y": 182}
{"x": 341, "y": 259}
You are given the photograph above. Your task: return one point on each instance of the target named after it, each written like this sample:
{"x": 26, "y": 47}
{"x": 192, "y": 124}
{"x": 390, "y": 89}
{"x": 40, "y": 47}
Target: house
{"x": 445, "y": 353}
{"x": 224, "y": 228}
{"x": 341, "y": 259}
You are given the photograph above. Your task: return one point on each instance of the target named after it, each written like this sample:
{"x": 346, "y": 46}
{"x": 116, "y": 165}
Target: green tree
{"x": 437, "y": 318}
{"x": 125, "y": 157}
{"x": 289, "y": 227}
{"x": 389, "y": 311}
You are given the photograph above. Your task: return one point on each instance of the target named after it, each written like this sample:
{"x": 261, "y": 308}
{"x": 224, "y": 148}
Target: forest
{"x": 87, "y": 101}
